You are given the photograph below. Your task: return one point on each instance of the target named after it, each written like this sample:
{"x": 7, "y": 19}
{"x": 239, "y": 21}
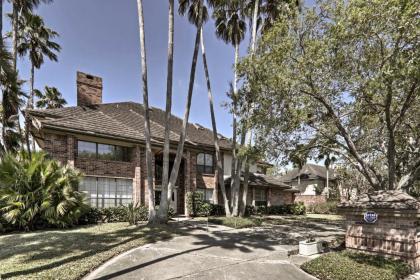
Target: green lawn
{"x": 348, "y": 265}
{"x": 72, "y": 253}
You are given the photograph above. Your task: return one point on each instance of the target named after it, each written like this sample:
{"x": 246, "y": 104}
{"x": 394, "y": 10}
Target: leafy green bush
{"x": 294, "y": 209}
{"x": 38, "y": 191}
{"x": 350, "y": 265}
{"x": 115, "y": 214}
{"x": 197, "y": 207}
{"x": 329, "y": 207}
{"x": 297, "y": 209}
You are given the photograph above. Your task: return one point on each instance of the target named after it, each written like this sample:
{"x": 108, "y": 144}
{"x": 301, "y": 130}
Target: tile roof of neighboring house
{"x": 312, "y": 170}
{"x": 256, "y": 179}
{"x": 124, "y": 120}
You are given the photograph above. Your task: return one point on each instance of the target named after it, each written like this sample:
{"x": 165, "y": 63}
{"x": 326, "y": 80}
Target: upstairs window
{"x": 205, "y": 163}
{"x": 102, "y": 151}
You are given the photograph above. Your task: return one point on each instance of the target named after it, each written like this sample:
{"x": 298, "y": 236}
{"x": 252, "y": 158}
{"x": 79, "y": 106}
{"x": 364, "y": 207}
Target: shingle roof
{"x": 256, "y": 179}
{"x": 312, "y": 170}
{"x": 124, "y": 120}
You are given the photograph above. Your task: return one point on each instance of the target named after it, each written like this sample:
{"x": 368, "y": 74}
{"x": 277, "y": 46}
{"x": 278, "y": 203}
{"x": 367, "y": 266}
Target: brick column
{"x": 144, "y": 175}
{"x": 137, "y": 190}
{"x": 70, "y": 150}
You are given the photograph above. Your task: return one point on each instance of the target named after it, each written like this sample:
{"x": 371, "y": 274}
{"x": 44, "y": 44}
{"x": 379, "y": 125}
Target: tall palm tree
{"x": 151, "y": 200}
{"x": 192, "y": 8}
{"x": 50, "y": 99}
{"x": 180, "y": 149}
{"x": 11, "y": 100}
{"x": 328, "y": 160}
{"x": 166, "y": 197}
{"x": 19, "y": 8}
{"x": 35, "y": 39}
{"x": 231, "y": 27}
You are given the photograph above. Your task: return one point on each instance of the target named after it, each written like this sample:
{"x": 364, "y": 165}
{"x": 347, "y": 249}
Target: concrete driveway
{"x": 219, "y": 253}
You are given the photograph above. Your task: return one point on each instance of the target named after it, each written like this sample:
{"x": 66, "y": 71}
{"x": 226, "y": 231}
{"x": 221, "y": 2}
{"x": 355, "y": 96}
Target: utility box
{"x": 385, "y": 223}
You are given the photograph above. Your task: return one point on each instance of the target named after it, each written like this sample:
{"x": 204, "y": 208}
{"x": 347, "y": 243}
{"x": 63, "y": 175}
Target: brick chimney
{"x": 89, "y": 89}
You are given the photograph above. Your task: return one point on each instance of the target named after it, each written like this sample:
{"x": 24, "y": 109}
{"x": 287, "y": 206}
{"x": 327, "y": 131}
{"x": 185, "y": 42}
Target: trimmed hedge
{"x": 351, "y": 265}
{"x": 293, "y": 209}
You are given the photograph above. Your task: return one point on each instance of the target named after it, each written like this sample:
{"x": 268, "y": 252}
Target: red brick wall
{"x": 56, "y": 147}
{"x": 310, "y": 199}
{"x": 279, "y": 197}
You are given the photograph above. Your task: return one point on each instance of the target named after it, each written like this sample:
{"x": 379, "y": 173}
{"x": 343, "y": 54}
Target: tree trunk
{"x": 14, "y": 33}
{"x": 29, "y": 105}
{"x": 166, "y": 196}
{"x": 1, "y": 22}
{"x": 152, "y": 213}
{"x": 248, "y": 138}
{"x": 237, "y": 169}
{"x": 328, "y": 183}
{"x": 220, "y": 178}
{"x": 180, "y": 149}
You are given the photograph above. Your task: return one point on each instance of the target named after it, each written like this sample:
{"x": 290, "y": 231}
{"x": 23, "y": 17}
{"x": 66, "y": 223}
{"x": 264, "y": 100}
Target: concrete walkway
{"x": 220, "y": 253}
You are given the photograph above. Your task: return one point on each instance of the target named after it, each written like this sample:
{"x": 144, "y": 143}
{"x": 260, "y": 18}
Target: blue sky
{"x": 101, "y": 37}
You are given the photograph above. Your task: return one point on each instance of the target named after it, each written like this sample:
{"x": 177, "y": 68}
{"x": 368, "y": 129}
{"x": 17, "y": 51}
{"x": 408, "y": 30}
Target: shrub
{"x": 39, "y": 191}
{"x": 297, "y": 209}
{"x": 329, "y": 207}
{"x": 130, "y": 214}
{"x": 350, "y": 265}
{"x": 294, "y": 209}
{"x": 198, "y": 207}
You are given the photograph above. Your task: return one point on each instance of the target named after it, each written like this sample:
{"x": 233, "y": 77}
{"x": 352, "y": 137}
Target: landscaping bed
{"x": 236, "y": 222}
{"x": 348, "y": 265}
{"x": 71, "y": 253}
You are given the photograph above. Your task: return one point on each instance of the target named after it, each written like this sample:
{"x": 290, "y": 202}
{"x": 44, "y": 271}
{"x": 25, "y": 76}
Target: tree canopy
{"x": 343, "y": 78}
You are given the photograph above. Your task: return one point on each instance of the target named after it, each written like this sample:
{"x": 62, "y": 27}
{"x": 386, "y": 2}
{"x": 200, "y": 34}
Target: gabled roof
{"x": 313, "y": 171}
{"x": 124, "y": 120}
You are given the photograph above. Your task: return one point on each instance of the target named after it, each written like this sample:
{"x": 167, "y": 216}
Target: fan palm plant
{"x": 34, "y": 190}
{"x": 35, "y": 40}
{"x": 231, "y": 27}
{"x": 50, "y": 99}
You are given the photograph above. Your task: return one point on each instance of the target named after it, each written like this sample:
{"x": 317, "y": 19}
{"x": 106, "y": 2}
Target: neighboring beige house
{"x": 311, "y": 182}
{"x": 106, "y": 142}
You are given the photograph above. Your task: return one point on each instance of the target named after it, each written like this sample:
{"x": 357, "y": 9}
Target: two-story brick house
{"x": 106, "y": 142}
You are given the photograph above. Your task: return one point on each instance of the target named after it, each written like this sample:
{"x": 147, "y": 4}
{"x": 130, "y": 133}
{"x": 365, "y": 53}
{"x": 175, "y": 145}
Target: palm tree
{"x": 192, "y": 8}
{"x": 328, "y": 160}
{"x": 166, "y": 197}
{"x": 231, "y": 28}
{"x": 180, "y": 149}
{"x": 11, "y": 100}
{"x": 50, "y": 99}
{"x": 35, "y": 39}
{"x": 19, "y": 8}
{"x": 152, "y": 212}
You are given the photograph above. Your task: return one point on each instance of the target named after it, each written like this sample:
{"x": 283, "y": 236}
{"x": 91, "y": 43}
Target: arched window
{"x": 205, "y": 163}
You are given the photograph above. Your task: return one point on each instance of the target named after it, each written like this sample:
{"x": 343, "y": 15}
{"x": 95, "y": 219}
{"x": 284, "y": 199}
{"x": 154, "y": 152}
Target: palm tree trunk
{"x": 236, "y": 179}
{"x": 248, "y": 136}
{"x": 220, "y": 178}
{"x": 166, "y": 197}
{"x": 180, "y": 149}
{"x": 1, "y": 22}
{"x": 29, "y": 105}
{"x": 150, "y": 189}
{"x": 14, "y": 33}
{"x": 328, "y": 184}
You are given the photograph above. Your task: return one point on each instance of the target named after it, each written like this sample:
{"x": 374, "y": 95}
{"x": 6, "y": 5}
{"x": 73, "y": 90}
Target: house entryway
{"x": 177, "y": 200}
